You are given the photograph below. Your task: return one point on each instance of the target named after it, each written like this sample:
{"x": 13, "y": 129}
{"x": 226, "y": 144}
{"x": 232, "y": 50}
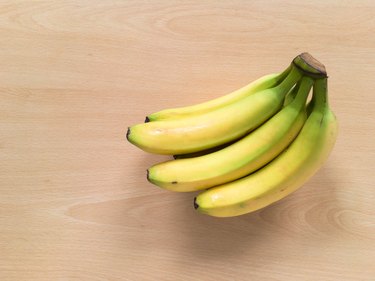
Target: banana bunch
{"x": 249, "y": 148}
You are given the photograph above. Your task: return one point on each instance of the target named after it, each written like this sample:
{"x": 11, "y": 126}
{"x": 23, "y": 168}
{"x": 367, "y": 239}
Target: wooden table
{"x": 74, "y": 200}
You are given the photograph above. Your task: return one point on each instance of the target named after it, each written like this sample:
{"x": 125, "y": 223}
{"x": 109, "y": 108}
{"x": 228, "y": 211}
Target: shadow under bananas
{"x": 308, "y": 213}
{"x": 206, "y": 237}
{"x": 311, "y": 211}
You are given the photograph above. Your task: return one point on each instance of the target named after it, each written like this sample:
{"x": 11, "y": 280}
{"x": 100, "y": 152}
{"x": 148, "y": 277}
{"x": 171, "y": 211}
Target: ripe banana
{"x": 265, "y": 82}
{"x": 239, "y": 159}
{"x": 222, "y": 125}
{"x": 288, "y": 99}
{"x": 283, "y": 175}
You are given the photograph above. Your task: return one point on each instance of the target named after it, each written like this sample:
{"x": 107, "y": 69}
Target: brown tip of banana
{"x": 196, "y": 206}
{"x": 127, "y": 134}
{"x": 147, "y": 119}
{"x": 148, "y": 175}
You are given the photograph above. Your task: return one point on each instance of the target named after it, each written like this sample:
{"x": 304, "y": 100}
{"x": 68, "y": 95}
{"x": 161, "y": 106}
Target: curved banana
{"x": 203, "y": 131}
{"x": 239, "y": 159}
{"x": 288, "y": 99}
{"x": 283, "y": 175}
{"x": 265, "y": 82}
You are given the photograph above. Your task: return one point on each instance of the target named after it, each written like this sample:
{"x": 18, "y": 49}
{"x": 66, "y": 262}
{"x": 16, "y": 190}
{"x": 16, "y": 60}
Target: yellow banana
{"x": 283, "y": 175}
{"x": 222, "y": 125}
{"x": 288, "y": 99}
{"x": 265, "y": 82}
{"x": 239, "y": 159}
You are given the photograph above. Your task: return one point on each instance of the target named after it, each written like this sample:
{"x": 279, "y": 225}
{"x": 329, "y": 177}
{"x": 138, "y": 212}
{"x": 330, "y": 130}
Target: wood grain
{"x": 75, "y": 203}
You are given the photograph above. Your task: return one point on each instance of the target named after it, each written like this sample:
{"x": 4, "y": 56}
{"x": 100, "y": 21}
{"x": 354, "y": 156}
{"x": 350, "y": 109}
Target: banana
{"x": 288, "y": 99}
{"x": 239, "y": 159}
{"x": 265, "y": 82}
{"x": 204, "y": 131}
{"x": 286, "y": 173}
{"x": 305, "y": 62}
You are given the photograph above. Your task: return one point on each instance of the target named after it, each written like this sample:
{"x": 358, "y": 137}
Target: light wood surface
{"x": 74, "y": 200}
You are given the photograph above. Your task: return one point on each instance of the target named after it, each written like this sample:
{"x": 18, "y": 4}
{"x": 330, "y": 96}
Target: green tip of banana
{"x": 247, "y": 149}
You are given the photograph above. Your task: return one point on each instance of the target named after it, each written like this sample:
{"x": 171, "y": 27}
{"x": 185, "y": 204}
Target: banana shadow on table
{"x": 306, "y": 215}
{"x": 303, "y": 219}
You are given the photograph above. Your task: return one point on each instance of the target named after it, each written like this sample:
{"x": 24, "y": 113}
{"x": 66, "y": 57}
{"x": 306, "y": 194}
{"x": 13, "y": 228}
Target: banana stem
{"x": 281, "y": 77}
{"x": 320, "y": 95}
{"x": 304, "y": 89}
{"x": 292, "y": 78}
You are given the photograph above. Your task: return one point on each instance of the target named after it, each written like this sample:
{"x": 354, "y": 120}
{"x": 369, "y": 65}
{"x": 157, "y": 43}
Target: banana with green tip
{"x": 288, "y": 99}
{"x": 305, "y": 62}
{"x": 239, "y": 159}
{"x": 265, "y": 82}
{"x": 285, "y": 174}
{"x": 214, "y": 128}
